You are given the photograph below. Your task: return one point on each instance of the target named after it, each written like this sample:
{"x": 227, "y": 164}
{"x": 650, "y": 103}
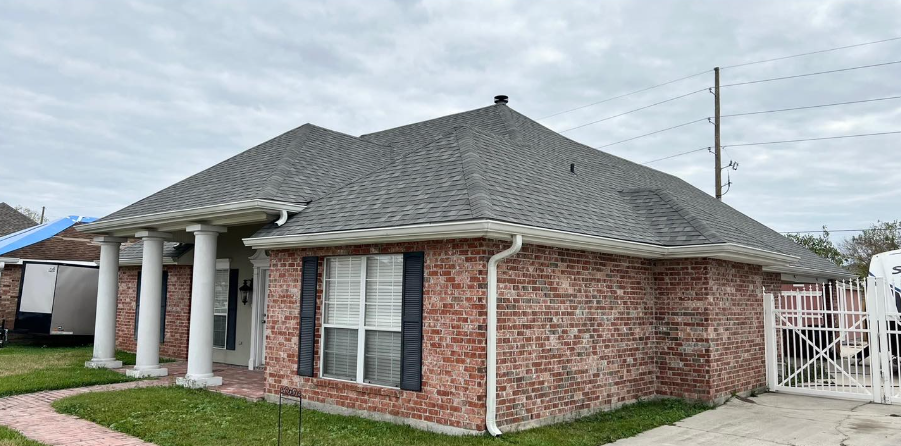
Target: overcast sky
{"x": 104, "y": 103}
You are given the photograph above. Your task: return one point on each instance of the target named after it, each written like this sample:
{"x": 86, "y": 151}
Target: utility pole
{"x": 42, "y": 214}
{"x": 718, "y": 169}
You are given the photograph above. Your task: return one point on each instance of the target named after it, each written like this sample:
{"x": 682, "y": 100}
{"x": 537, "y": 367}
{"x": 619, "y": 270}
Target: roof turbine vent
{"x": 501, "y": 99}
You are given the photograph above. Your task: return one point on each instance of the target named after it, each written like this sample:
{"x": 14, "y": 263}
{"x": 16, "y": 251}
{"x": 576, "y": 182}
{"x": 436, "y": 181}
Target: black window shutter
{"x": 137, "y": 305}
{"x": 411, "y": 322}
{"x": 232, "y": 309}
{"x": 306, "y": 343}
{"x": 163, "y": 300}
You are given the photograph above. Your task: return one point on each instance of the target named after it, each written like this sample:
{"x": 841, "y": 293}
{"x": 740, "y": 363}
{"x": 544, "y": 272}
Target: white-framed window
{"x": 361, "y": 315}
{"x": 220, "y": 308}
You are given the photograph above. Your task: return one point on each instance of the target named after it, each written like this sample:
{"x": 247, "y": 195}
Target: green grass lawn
{"x": 26, "y": 369}
{"x": 174, "y": 416}
{"x": 9, "y": 437}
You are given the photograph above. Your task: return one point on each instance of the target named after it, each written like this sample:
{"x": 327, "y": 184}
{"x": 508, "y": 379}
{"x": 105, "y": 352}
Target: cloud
{"x": 106, "y": 102}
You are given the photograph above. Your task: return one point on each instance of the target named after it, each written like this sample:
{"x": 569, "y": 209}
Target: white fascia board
{"x": 192, "y": 215}
{"x": 531, "y": 235}
{"x": 808, "y": 272}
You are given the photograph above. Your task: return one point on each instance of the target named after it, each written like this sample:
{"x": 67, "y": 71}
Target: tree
{"x": 820, "y": 245}
{"x": 860, "y": 249}
{"x": 31, "y": 213}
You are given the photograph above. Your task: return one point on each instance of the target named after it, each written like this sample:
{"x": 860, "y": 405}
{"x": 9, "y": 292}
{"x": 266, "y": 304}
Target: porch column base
{"x": 153, "y": 372}
{"x": 103, "y": 364}
{"x": 198, "y": 382}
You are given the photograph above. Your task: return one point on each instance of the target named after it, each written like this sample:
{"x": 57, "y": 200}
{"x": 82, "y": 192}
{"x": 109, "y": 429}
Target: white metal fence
{"x": 839, "y": 340}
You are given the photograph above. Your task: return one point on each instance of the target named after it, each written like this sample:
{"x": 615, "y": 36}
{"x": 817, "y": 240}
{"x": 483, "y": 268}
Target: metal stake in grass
{"x": 289, "y": 392}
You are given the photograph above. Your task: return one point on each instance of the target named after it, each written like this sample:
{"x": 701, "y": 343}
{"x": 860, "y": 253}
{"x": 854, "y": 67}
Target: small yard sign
{"x": 289, "y": 394}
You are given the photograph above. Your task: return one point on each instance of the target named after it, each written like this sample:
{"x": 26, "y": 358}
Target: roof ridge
{"x": 277, "y": 177}
{"x": 514, "y": 134}
{"x": 364, "y": 135}
{"x": 392, "y": 161}
{"x": 281, "y": 173}
{"x": 695, "y": 221}
{"x": 479, "y": 199}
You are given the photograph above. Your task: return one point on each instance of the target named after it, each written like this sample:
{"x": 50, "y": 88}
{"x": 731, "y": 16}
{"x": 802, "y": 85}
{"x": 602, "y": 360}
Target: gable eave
{"x": 233, "y": 213}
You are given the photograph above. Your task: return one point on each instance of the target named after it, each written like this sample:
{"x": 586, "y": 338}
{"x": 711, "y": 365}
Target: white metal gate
{"x": 837, "y": 340}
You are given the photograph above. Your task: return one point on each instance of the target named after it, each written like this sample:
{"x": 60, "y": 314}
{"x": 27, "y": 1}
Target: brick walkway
{"x": 236, "y": 380}
{"x": 32, "y": 415}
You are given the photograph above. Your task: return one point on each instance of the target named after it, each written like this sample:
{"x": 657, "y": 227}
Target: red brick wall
{"x": 738, "y": 363}
{"x": 10, "y": 278}
{"x": 178, "y": 310}
{"x": 575, "y": 330}
{"x": 578, "y": 332}
{"x": 453, "y": 387}
{"x": 682, "y": 316}
{"x": 710, "y": 326}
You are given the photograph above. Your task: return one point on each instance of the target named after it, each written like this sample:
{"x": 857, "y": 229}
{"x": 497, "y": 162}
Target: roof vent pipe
{"x": 501, "y": 99}
{"x": 491, "y": 401}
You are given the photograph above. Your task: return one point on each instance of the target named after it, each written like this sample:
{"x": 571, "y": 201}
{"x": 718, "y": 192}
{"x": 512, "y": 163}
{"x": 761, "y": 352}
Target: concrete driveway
{"x": 782, "y": 419}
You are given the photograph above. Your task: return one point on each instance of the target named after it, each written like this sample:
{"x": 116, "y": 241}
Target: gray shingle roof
{"x": 12, "y": 220}
{"x": 488, "y": 163}
{"x": 135, "y": 251}
{"x": 298, "y": 166}
{"x": 494, "y": 163}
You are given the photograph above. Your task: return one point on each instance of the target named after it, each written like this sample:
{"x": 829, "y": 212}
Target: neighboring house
{"x": 12, "y": 220}
{"x": 56, "y": 249}
{"x": 465, "y": 273}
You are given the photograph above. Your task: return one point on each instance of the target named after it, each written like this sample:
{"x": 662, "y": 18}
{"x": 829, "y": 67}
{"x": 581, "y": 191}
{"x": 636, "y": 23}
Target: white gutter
{"x": 202, "y": 213}
{"x": 531, "y": 235}
{"x": 814, "y": 273}
{"x": 491, "y": 407}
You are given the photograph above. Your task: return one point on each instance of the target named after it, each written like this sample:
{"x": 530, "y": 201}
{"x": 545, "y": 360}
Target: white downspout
{"x": 282, "y": 218}
{"x": 491, "y": 409}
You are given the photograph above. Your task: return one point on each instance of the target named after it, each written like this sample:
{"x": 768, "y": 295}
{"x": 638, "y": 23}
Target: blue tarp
{"x": 35, "y": 234}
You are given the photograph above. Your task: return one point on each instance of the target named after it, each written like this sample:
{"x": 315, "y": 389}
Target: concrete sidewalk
{"x": 780, "y": 419}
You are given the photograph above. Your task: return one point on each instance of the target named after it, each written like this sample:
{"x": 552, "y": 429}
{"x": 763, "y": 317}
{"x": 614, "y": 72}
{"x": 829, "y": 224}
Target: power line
{"x": 746, "y": 114}
{"x": 812, "y": 106}
{"x": 810, "y": 53}
{"x": 707, "y": 71}
{"x": 775, "y": 142}
{"x": 624, "y": 95}
{"x": 678, "y": 154}
{"x": 836, "y": 230}
{"x": 633, "y": 111}
{"x": 812, "y": 139}
{"x": 652, "y": 133}
{"x": 811, "y": 74}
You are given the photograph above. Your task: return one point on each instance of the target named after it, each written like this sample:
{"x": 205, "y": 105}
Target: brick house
{"x": 472, "y": 272}
{"x": 56, "y": 242}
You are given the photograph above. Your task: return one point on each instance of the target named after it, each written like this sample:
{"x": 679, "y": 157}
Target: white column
{"x": 107, "y": 295}
{"x": 148, "y": 357}
{"x": 200, "y": 341}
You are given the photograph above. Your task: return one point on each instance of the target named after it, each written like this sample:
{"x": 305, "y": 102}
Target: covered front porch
{"x": 193, "y": 288}
{"x": 237, "y": 381}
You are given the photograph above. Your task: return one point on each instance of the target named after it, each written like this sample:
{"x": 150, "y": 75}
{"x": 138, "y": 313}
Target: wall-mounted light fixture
{"x": 246, "y": 291}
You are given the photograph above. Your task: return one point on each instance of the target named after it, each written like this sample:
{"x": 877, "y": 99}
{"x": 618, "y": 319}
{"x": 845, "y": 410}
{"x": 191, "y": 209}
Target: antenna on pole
{"x": 717, "y": 149}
